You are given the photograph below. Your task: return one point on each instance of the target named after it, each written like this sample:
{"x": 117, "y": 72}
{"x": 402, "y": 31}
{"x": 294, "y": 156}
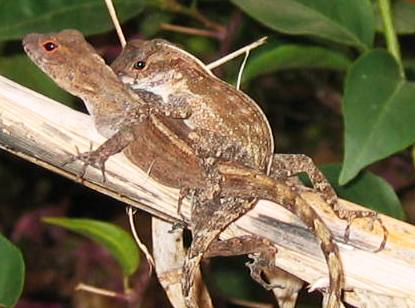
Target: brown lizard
{"x": 145, "y": 133}
{"x": 180, "y": 81}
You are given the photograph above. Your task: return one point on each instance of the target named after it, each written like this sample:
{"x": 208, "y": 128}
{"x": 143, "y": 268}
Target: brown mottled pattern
{"x": 108, "y": 100}
{"x": 216, "y": 106}
{"x": 225, "y": 191}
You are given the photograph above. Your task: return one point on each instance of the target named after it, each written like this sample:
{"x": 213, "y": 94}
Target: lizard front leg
{"x": 287, "y": 165}
{"x": 113, "y": 145}
{"x": 126, "y": 134}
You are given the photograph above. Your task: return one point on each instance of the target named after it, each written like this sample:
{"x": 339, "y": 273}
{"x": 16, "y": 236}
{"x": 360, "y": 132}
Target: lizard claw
{"x": 71, "y": 158}
{"x": 90, "y": 158}
{"x": 177, "y": 226}
{"x": 256, "y": 268}
{"x": 374, "y": 217}
{"x": 184, "y": 192}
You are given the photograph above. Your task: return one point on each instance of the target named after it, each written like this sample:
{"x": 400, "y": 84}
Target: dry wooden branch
{"x": 45, "y": 132}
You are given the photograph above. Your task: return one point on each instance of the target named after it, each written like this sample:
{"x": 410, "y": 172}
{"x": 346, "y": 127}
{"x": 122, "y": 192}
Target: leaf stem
{"x": 126, "y": 284}
{"x": 189, "y": 30}
{"x": 390, "y": 33}
{"x": 174, "y": 6}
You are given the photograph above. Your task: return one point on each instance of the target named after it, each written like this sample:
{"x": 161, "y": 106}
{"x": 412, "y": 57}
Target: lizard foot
{"x": 260, "y": 262}
{"x": 285, "y": 166}
{"x": 184, "y": 192}
{"x": 350, "y": 216}
{"x": 90, "y": 158}
{"x": 177, "y": 226}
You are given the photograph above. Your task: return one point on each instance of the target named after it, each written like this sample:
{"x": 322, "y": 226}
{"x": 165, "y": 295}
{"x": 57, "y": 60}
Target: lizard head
{"x": 75, "y": 66}
{"x": 71, "y": 62}
{"x": 155, "y": 62}
{"x": 49, "y": 51}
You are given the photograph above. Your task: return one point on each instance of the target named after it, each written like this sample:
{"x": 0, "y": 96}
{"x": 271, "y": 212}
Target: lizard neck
{"x": 107, "y": 100}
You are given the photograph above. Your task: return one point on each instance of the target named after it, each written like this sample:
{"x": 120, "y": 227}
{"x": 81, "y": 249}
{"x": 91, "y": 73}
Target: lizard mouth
{"x": 28, "y": 43}
{"x": 30, "y": 39}
{"x": 25, "y": 44}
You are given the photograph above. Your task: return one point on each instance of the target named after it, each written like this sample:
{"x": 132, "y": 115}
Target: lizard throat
{"x": 160, "y": 89}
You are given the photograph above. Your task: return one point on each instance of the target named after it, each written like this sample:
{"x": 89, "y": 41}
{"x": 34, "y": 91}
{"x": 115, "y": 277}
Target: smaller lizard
{"x": 144, "y": 133}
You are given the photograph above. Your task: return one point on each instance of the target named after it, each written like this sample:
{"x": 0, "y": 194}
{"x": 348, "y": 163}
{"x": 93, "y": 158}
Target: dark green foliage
{"x": 11, "y": 273}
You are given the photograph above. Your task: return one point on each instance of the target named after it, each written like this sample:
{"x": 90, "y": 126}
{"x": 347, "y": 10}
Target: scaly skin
{"x": 76, "y": 67}
{"x": 225, "y": 184}
{"x": 180, "y": 81}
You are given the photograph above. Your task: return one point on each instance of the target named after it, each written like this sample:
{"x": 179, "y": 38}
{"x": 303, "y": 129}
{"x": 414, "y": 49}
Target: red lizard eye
{"x": 50, "y": 46}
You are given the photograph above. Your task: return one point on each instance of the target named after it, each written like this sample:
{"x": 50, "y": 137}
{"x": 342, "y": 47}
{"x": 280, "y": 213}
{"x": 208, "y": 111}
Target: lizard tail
{"x": 246, "y": 182}
{"x": 330, "y": 250}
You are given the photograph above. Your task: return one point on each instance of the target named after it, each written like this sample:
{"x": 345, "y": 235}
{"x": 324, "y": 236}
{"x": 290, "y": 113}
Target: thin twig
{"x": 209, "y": 23}
{"x": 116, "y": 22}
{"x": 241, "y": 69}
{"x": 174, "y": 6}
{"x": 143, "y": 247}
{"x": 236, "y": 53}
{"x": 99, "y": 291}
{"x": 188, "y": 30}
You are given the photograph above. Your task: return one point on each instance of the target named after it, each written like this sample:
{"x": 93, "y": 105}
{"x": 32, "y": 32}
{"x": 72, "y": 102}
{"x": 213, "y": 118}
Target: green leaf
{"x": 348, "y": 22}
{"x": 403, "y": 17}
{"x": 379, "y": 112}
{"x": 20, "y": 69}
{"x": 118, "y": 242}
{"x": 294, "y": 56}
{"x": 367, "y": 189}
{"x": 19, "y": 17}
{"x": 12, "y": 272}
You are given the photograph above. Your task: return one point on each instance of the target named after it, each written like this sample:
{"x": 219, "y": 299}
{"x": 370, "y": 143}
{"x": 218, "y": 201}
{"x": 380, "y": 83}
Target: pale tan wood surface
{"x": 169, "y": 254}
{"x": 46, "y": 133}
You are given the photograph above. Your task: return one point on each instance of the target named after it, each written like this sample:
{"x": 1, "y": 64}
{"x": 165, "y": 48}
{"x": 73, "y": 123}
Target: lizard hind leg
{"x": 288, "y": 165}
{"x": 285, "y": 286}
{"x": 210, "y": 218}
{"x": 184, "y": 192}
{"x": 261, "y": 252}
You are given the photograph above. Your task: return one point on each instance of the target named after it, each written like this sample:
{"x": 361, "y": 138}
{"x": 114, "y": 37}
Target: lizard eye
{"x": 50, "y": 46}
{"x": 139, "y": 65}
